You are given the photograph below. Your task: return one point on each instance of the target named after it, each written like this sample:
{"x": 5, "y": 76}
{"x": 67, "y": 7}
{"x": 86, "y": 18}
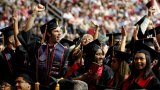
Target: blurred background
{"x": 77, "y": 15}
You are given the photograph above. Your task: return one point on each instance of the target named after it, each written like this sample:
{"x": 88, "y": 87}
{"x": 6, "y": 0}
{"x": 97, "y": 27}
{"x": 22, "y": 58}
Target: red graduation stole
{"x": 57, "y": 55}
{"x": 141, "y": 82}
{"x": 144, "y": 82}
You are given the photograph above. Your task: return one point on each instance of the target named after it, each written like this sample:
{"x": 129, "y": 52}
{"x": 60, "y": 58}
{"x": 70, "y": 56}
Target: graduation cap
{"x": 155, "y": 31}
{"x": 143, "y": 24}
{"x": 52, "y": 24}
{"x": 77, "y": 40}
{"x": 113, "y": 37}
{"x": 7, "y": 31}
{"x": 111, "y": 49}
{"x": 141, "y": 46}
{"x": 146, "y": 41}
{"x": 92, "y": 47}
{"x": 122, "y": 56}
{"x": 66, "y": 42}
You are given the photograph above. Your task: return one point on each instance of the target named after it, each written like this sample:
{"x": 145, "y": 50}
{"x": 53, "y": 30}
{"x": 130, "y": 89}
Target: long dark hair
{"x": 147, "y": 70}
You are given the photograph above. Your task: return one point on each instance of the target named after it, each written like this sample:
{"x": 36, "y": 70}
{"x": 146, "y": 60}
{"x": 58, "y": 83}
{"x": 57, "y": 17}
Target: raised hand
{"x": 95, "y": 36}
{"x": 95, "y": 24}
{"x": 123, "y": 31}
{"x": 38, "y": 8}
{"x": 15, "y": 18}
{"x": 135, "y": 33}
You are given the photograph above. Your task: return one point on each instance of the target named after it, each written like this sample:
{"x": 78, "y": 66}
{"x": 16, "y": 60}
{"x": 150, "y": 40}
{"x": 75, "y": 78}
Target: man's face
{"x": 21, "y": 84}
{"x": 87, "y": 38}
{"x": 55, "y": 35}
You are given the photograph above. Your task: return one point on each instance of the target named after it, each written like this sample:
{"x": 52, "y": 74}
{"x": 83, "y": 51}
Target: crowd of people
{"x": 109, "y": 15}
{"x": 40, "y": 53}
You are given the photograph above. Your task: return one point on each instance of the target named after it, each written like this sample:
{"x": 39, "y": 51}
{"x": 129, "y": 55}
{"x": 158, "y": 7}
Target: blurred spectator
{"x": 111, "y": 14}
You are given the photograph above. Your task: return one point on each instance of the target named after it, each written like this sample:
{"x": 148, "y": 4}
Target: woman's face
{"x": 140, "y": 61}
{"x": 99, "y": 56}
{"x": 114, "y": 64}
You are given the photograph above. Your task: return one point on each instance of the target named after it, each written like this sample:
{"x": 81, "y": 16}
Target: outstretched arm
{"x": 16, "y": 31}
{"x": 95, "y": 36}
{"x": 123, "y": 40}
{"x": 135, "y": 33}
{"x": 30, "y": 22}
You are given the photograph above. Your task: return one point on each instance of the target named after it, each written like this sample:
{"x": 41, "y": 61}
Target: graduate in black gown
{"x": 6, "y": 56}
{"x": 142, "y": 76}
{"x": 49, "y": 55}
{"x": 12, "y": 57}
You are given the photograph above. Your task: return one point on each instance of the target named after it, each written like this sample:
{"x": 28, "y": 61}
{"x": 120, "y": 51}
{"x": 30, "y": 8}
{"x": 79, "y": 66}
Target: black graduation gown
{"x": 152, "y": 84}
{"x": 107, "y": 74}
{"x": 6, "y": 64}
{"x": 22, "y": 62}
{"x": 31, "y": 43}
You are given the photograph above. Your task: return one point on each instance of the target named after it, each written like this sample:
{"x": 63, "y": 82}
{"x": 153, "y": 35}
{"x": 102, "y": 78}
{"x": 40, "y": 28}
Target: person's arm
{"x": 135, "y": 33}
{"x": 16, "y": 31}
{"x": 30, "y": 21}
{"x": 25, "y": 36}
{"x": 123, "y": 40}
{"x": 95, "y": 36}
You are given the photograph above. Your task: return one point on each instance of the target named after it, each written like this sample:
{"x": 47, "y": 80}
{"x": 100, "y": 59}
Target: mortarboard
{"x": 122, "y": 55}
{"x": 7, "y": 31}
{"x": 143, "y": 24}
{"x": 113, "y": 37}
{"x": 66, "y": 42}
{"x": 154, "y": 31}
{"x": 146, "y": 41}
{"x": 140, "y": 21}
{"x": 92, "y": 47}
{"x": 77, "y": 41}
{"x": 52, "y": 24}
{"x": 111, "y": 49}
{"x": 141, "y": 46}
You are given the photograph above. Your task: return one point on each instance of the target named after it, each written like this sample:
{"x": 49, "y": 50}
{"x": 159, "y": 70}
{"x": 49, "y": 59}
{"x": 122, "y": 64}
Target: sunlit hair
{"x": 123, "y": 70}
{"x": 87, "y": 36}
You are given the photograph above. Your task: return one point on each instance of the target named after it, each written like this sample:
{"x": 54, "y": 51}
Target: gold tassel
{"x": 37, "y": 86}
{"x": 57, "y": 85}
